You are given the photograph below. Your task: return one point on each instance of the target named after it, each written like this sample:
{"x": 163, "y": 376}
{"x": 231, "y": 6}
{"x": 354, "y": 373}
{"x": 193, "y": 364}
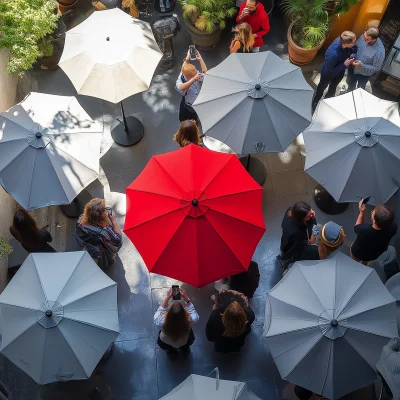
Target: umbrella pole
{"x": 255, "y": 168}
{"x": 327, "y": 203}
{"x": 75, "y": 208}
{"x": 127, "y": 132}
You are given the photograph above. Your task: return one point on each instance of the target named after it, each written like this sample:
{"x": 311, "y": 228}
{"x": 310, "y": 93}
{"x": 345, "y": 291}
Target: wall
{"x": 8, "y": 94}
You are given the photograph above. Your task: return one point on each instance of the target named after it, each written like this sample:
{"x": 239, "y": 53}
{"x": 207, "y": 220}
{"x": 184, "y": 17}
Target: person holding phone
{"x": 337, "y": 59}
{"x": 176, "y": 321}
{"x": 369, "y": 60}
{"x": 243, "y": 41}
{"x": 188, "y": 86}
{"x": 253, "y": 12}
{"x": 372, "y": 239}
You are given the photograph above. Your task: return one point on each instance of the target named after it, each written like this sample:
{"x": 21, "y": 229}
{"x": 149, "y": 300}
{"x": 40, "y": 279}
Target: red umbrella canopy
{"x": 195, "y": 215}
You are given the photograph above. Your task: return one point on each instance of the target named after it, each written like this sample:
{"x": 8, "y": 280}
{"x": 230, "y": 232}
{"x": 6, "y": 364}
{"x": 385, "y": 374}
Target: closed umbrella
{"x": 353, "y": 147}
{"x": 49, "y": 150}
{"x": 195, "y": 215}
{"x": 254, "y": 103}
{"x": 326, "y": 324}
{"x": 197, "y": 387}
{"x": 112, "y": 56}
{"x": 58, "y": 316}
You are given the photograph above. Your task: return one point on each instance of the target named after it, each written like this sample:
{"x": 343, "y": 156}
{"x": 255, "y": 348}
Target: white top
{"x": 159, "y": 318}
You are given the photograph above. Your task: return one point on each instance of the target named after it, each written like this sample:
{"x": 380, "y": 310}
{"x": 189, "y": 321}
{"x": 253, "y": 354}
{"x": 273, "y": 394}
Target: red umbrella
{"x": 195, "y": 215}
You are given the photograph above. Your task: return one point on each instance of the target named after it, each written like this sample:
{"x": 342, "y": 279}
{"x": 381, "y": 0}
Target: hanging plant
{"x": 5, "y": 248}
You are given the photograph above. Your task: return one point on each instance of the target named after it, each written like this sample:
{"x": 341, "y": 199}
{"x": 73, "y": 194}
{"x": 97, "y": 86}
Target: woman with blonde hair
{"x": 188, "y": 86}
{"x": 228, "y": 329}
{"x": 188, "y": 133}
{"x": 176, "y": 321}
{"x": 243, "y": 41}
{"x": 97, "y": 231}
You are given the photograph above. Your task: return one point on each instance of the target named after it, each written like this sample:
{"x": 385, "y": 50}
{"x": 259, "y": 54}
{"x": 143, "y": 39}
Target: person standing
{"x": 243, "y": 41}
{"x": 337, "y": 59}
{"x": 253, "y": 12}
{"x": 188, "y": 133}
{"x": 188, "y": 86}
{"x": 372, "y": 239}
{"x": 26, "y": 231}
{"x": 176, "y": 321}
{"x": 370, "y": 58}
{"x": 297, "y": 241}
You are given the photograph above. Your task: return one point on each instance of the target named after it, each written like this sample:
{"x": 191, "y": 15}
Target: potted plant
{"x": 5, "y": 248}
{"x": 25, "y": 28}
{"x": 308, "y": 29}
{"x": 205, "y": 19}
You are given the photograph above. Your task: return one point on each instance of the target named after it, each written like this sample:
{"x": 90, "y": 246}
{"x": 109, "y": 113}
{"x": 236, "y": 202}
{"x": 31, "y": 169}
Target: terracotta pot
{"x": 297, "y": 54}
{"x": 65, "y": 5}
{"x": 201, "y": 39}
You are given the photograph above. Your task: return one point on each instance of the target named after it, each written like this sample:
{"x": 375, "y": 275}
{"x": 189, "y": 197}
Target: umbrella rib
{"x": 156, "y": 194}
{"x": 73, "y": 272}
{"x": 232, "y": 194}
{"x": 308, "y": 283}
{"x": 42, "y": 362}
{"x": 286, "y": 106}
{"x": 169, "y": 175}
{"x": 153, "y": 219}
{"x": 17, "y": 337}
{"x": 236, "y": 219}
{"x": 89, "y": 294}
{"x": 219, "y": 172}
{"x": 93, "y": 325}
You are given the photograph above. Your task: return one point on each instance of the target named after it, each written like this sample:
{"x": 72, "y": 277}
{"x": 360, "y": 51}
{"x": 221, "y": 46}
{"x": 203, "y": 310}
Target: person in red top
{"x": 253, "y": 12}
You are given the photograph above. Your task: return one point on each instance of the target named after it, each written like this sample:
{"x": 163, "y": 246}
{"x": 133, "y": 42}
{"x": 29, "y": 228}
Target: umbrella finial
{"x": 195, "y": 202}
{"x": 49, "y": 313}
{"x": 258, "y": 86}
{"x": 108, "y": 39}
{"x": 367, "y": 134}
{"x": 38, "y": 135}
{"x": 334, "y": 323}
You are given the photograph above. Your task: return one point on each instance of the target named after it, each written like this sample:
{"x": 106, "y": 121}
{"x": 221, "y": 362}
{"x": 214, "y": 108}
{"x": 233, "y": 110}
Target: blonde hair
{"x": 348, "y": 37}
{"x": 245, "y": 34}
{"x": 188, "y": 133}
{"x": 188, "y": 70}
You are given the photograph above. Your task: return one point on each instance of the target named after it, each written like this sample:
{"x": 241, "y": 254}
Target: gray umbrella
{"x": 49, "y": 150}
{"x": 326, "y": 324}
{"x": 254, "y": 103}
{"x": 353, "y": 147}
{"x": 393, "y": 285}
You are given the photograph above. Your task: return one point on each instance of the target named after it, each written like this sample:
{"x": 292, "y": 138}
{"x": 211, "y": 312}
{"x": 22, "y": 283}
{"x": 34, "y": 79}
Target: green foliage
{"x": 5, "y": 248}
{"x": 208, "y": 15}
{"x": 343, "y": 6}
{"x": 311, "y": 21}
{"x": 25, "y": 26}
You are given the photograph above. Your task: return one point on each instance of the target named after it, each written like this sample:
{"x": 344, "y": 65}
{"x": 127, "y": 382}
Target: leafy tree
{"x": 25, "y": 28}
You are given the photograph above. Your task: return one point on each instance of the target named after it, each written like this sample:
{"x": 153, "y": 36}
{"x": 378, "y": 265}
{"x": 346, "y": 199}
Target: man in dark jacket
{"x": 253, "y": 12}
{"x": 337, "y": 59}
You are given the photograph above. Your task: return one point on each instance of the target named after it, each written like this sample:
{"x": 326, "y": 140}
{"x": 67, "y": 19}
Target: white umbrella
{"x": 58, "y": 316}
{"x": 112, "y": 56}
{"x": 49, "y": 150}
{"x": 353, "y": 147}
{"x": 197, "y": 387}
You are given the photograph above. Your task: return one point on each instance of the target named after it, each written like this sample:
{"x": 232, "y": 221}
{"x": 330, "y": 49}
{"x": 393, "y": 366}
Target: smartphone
{"x": 109, "y": 211}
{"x": 176, "y": 294}
{"x": 366, "y": 200}
{"x": 192, "y": 52}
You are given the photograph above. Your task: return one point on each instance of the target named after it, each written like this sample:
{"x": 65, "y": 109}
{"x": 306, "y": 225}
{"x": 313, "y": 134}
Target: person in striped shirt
{"x": 369, "y": 59}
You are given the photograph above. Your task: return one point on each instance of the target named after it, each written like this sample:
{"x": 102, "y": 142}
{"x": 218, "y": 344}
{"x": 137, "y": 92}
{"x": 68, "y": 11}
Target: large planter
{"x": 297, "y": 54}
{"x": 201, "y": 39}
{"x": 66, "y": 5}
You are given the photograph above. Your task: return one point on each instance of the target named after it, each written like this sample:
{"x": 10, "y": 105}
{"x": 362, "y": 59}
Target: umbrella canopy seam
{"x": 111, "y": 284}
{"x": 156, "y": 218}
{"x": 235, "y": 218}
{"x": 300, "y": 269}
{"x": 11, "y": 342}
{"x": 169, "y": 175}
{"x": 91, "y": 324}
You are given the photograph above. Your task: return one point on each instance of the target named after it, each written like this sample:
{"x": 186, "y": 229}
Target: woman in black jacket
{"x": 229, "y": 325}
{"x": 26, "y": 231}
{"x": 297, "y": 235}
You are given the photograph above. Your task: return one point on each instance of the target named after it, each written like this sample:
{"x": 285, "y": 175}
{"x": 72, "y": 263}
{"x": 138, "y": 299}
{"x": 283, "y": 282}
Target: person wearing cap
{"x": 388, "y": 367}
{"x": 331, "y": 237}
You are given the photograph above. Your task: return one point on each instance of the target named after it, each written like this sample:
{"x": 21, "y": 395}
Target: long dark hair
{"x": 177, "y": 321}
{"x": 299, "y": 211}
{"x": 188, "y": 133}
{"x": 25, "y": 229}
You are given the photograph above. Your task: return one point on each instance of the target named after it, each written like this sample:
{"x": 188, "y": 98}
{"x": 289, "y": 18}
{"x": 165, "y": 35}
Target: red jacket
{"x": 258, "y": 21}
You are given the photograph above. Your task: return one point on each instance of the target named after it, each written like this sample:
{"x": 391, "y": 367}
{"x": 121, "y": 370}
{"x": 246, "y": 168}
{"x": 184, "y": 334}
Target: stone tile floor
{"x": 138, "y": 369}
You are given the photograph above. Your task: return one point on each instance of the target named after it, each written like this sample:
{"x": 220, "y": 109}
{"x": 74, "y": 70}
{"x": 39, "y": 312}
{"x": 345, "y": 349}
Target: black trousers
{"x": 323, "y": 84}
{"x": 186, "y": 112}
{"x": 173, "y": 349}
